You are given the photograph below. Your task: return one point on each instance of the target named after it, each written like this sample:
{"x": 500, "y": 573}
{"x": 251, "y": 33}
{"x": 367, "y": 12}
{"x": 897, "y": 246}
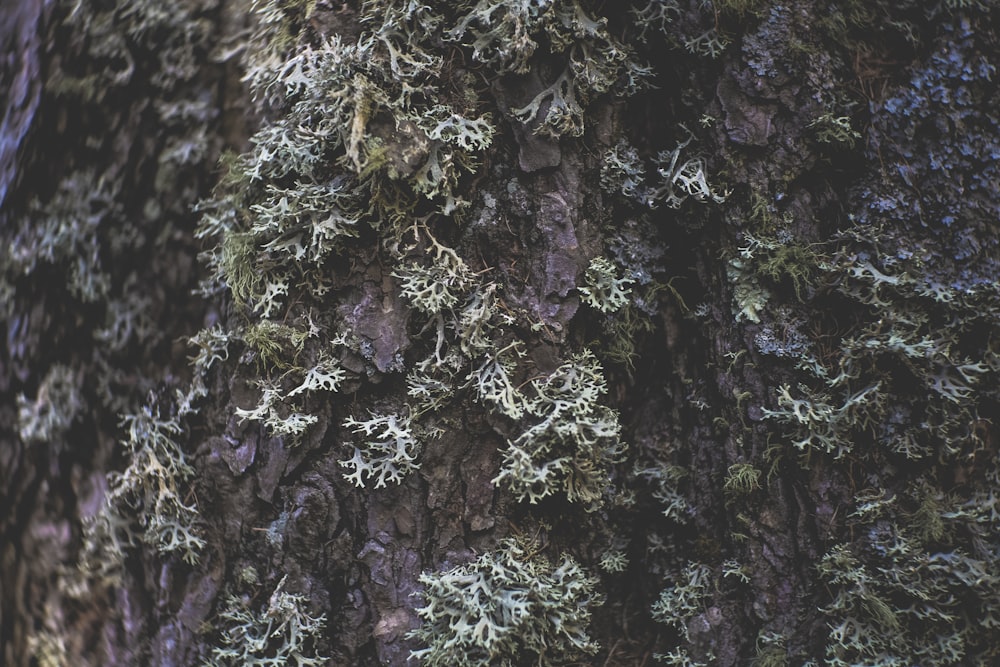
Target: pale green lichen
{"x": 64, "y": 231}
{"x": 655, "y": 15}
{"x": 685, "y": 599}
{"x": 436, "y": 286}
{"x": 493, "y": 382}
{"x": 509, "y": 607}
{"x": 325, "y": 375}
{"x": 388, "y": 454}
{"x": 430, "y": 384}
{"x": 905, "y": 588}
{"x": 709, "y": 43}
{"x": 280, "y": 418}
{"x": 679, "y": 658}
{"x": 283, "y": 633}
{"x": 56, "y": 405}
{"x": 605, "y": 290}
{"x": 212, "y": 347}
{"x": 614, "y": 561}
{"x": 622, "y": 172}
{"x": 153, "y": 481}
{"x": 144, "y": 503}
{"x": 573, "y": 441}
{"x": 507, "y": 34}
{"x": 824, "y": 425}
{"x": 683, "y": 176}
{"x": 733, "y": 568}
{"x": 666, "y": 480}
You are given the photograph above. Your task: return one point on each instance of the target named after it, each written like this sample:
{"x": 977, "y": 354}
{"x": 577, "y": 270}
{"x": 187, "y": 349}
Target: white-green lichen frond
{"x": 283, "y": 633}
{"x": 281, "y": 419}
{"x": 656, "y": 15}
{"x": 152, "y": 484}
{"x": 667, "y": 479}
{"x": 475, "y": 320}
{"x": 144, "y": 503}
{"x": 614, "y": 561}
{"x": 822, "y": 424}
{"x": 622, "y": 171}
{"x": 605, "y": 290}
{"x": 506, "y": 608}
{"x": 212, "y": 346}
{"x": 432, "y": 289}
{"x": 325, "y": 375}
{"x": 683, "y": 178}
{"x": 493, "y": 382}
{"x": 680, "y": 602}
{"x": 55, "y": 406}
{"x": 505, "y": 35}
{"x": 573, "y": 441}
{"x": 678, "y": 658}
{"x": 388, "y": 453}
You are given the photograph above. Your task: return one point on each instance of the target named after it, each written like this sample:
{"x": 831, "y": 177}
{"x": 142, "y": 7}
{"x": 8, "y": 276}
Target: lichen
{"x": 680, "y": 602}
{"x": 507, "y": 607}
{"x": 285, "y": 632}
{"x": 605, "y": 290}
{"x": 58, "y": 402}
{"x": 387, "y": 455}
{"x": 145, "y": 503}
{"x": 573, "y": 441}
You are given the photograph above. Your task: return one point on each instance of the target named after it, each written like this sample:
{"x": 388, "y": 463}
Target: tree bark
{"x": 777, "y": 244}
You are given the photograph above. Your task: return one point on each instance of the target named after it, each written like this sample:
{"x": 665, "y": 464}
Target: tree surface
{"x": 499, "y": 332}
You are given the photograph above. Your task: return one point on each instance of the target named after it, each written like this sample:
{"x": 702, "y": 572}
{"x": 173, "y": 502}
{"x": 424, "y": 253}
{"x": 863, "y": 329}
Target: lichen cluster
{"x": 366, "y": 160}
{"x": 91, "y": 235}
{"x": 844, "y": 337}
{"x": 145, "y": 503}
{"x": 505, "y": 608}
{"x": 368, "y": 153}
{"x": 282, "y": 633}
{"x": 374, "y": 137}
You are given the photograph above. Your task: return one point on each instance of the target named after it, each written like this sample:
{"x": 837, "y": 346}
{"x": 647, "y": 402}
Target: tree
{"x": 508, "y": 332}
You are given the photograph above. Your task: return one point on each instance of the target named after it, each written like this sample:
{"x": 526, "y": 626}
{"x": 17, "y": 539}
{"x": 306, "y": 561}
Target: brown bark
{"x": 105, "y": 102}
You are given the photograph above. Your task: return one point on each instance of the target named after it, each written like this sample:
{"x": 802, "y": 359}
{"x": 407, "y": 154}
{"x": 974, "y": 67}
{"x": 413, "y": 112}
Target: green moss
{"x": 277, "y": 345}
{"x": 798, "y": 263}
{"x": 741, "y": 479}
{"x": 623, "y": 330}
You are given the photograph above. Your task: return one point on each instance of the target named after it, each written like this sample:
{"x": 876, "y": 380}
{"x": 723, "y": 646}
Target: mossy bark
{"x": 853, "y": 142}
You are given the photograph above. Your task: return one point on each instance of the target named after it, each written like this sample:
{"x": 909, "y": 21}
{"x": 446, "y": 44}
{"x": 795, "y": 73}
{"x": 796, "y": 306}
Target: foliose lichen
{"x": 508, "y": 606}
{"x": 284, "y": 632}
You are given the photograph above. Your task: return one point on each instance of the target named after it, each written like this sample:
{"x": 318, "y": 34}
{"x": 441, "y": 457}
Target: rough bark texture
{"x": 799, "y": 218}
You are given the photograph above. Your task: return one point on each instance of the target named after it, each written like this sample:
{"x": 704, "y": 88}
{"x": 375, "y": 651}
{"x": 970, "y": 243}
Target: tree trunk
{"x": 508, "y": 333}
